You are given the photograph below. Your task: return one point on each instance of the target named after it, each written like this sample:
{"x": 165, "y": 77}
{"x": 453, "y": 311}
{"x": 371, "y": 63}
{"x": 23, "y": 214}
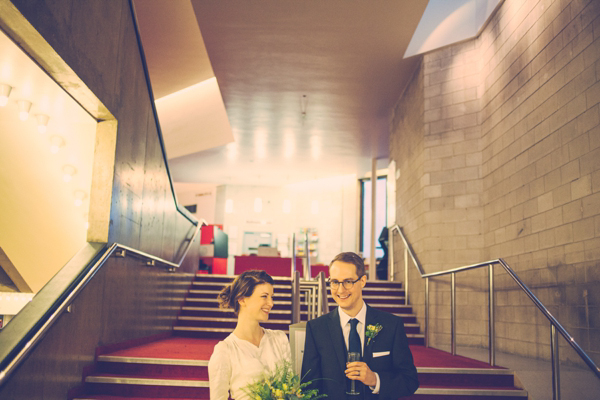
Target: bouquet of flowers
{"x": 282, "y": 384}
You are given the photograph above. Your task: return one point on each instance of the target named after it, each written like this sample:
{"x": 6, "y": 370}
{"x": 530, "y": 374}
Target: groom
{"x": 387, "y": 370}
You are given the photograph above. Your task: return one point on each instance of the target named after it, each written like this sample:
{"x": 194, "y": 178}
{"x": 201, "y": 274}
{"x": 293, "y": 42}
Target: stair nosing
{"x": 472, "y": 392}
{"x": 190, "y": 318}
{"x": 194, "y": 299}
{"x": 223, "y": 284}
{"x": 232, "y": 277}
{"x": 154, "y": 361}
{"x": 205, "y": 329}
{"x": 380, "y": 305}
{"x": 188, "y": 308}
{"x": 127, "y": 380}
{"x": 466, "y": 371}
{"x": 216, "y": 292}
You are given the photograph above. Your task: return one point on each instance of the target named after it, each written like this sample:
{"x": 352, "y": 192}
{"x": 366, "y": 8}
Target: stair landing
{"x": 177, "y": 367}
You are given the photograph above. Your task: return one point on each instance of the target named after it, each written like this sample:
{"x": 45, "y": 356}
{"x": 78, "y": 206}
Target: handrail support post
{"x": 405, "y": 277}
{"x": 453, "y": 313}
{"x": 555, "y": 363}
{"x": 293, "y": 266}
{"x": 426, "y": 312}
{"x": 391, "y": 257}
{"x": 296, "y": 297}
{"x": 491, "y": 317}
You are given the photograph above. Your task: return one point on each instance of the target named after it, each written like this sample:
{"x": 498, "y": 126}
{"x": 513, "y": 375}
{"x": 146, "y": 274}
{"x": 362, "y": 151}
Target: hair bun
{"x": 242, "y": 286}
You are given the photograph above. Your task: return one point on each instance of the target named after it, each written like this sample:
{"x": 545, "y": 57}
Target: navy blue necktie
{"x": 353, "y": 339}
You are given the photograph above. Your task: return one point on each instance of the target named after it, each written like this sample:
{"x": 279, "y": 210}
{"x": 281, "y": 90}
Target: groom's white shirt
{"x": 345, "y": 324}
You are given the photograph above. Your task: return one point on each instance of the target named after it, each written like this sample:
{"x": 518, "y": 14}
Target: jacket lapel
{"x": 368, "y": 349}
{"x": 337, "y": 338}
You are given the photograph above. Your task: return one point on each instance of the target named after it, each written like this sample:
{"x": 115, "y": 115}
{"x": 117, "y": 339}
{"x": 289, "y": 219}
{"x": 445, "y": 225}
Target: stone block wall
{"x": 511, "y": 134}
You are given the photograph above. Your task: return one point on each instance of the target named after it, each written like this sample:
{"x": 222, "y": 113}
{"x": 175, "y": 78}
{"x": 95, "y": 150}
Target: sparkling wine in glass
{"x": 351, "y": 358}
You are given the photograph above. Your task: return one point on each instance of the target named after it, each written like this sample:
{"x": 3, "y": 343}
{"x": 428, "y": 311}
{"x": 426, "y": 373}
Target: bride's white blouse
{"x": 235, "y": 363}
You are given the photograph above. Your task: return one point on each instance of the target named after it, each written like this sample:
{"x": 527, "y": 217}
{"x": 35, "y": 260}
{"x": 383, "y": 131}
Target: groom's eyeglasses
{"x": 348, "y": 283}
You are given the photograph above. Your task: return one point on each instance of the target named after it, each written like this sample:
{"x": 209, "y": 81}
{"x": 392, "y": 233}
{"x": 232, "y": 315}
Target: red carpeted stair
{"x": 176, "y": 367}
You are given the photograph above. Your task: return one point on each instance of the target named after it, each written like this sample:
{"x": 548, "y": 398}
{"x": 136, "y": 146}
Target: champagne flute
{"x": 352, "y": 356}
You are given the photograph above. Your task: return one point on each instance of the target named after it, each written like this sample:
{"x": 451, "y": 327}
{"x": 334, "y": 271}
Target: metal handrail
{"x": 315, "y": 292}
{"x": 296, "y": 297}
{"x": 307, "y": 266}
{"x": 64, "y": 303}
{"x": 182, "y": 210}
{"x": 153, "y": 260}
{"x": 554, "y": 324}
{"x": 323, "y": 302}
{"x": 293, "y": 267}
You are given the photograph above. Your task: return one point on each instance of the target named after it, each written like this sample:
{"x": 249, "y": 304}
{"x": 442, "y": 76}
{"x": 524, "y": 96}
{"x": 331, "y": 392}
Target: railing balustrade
{"x": 14, "y": 358}
{"x": 315, "y": 296}
{"x": 554, "y": 324}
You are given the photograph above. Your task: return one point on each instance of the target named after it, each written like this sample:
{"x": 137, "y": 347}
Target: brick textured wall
{"x": 510, "y": 168}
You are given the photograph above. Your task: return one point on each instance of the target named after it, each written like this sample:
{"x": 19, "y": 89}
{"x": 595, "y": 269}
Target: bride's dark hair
{"x": 242, "y": 286}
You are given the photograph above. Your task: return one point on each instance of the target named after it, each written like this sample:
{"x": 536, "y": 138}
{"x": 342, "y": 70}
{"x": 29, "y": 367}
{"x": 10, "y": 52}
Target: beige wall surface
{"x": 499, "y": 158}
{"x": 37, "y": 206}
{"x": 334, "y": 220}
{"x": 126, "y": 300}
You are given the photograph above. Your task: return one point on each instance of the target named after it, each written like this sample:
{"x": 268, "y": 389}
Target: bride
{"x": 250, "y": 350}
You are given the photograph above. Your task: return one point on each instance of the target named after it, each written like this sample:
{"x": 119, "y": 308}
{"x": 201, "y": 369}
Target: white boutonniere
{"x": 372, "y": 331}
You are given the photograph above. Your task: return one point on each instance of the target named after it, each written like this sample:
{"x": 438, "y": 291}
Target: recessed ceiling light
{"x": 56, "y": 142}
{"x": 68, "y": 172}
{"x": 42, "y": 122}
{"x": 4, "y": 93}
{"x": 24, "y": 107}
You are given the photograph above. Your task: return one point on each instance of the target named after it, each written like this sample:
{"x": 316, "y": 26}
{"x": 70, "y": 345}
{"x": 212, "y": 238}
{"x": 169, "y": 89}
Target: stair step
{"x": 109, "y": 397}
{"x": 216, "y": 301}
{"x": 217, "y": 286}
{"x": 215, "y": 293}
{"x": 209, "y": 294}
{"x": 180, "y": 328}
{"x": 232, "y": 320}
{"x": 136, "y": 380}
{"x": 466, "y": 377}
{"x": 132, "y": 386}
{"x": 150, "y": 360}
{"x": 224, "y": 310}
{"x": 173, "y": 369}
{"x": 230, "y": 278}
{"x": 441, "y": 393}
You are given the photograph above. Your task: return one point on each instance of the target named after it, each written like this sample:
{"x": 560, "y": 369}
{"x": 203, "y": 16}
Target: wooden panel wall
{"x": 125, "y": 300}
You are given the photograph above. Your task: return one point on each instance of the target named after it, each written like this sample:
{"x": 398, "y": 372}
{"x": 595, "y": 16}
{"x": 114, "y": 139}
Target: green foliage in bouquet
{"x": 282, "y": 384}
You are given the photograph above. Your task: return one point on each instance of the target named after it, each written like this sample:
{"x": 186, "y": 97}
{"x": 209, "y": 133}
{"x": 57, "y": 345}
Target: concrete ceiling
{"x": 307, "y": 87}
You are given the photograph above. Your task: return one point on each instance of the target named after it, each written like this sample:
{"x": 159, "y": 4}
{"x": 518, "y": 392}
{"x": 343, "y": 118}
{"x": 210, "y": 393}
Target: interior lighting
{"x": 260, "y": 144}
{"x": 42, "y": 123}
{"x": 315, "y": 147}
{"x": 287, "y": 206}
{"x": 288, "y": 145}
{"x": 79, "y": 197}
{"x": 56, "y": 142}
{"x": 229, "y": 206}
{"x": 257, "y": 205}
{"x": 4, "y": 93}
{"x": 24, "y": 107}
{"x": 68, "y": 172}
{"x": 232, "y": 151}
{"x": 303, "y": 105}
{"x": 314, "y": 207}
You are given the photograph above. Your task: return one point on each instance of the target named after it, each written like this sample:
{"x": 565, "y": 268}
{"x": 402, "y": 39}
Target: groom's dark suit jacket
{"x": 325, "y": 356}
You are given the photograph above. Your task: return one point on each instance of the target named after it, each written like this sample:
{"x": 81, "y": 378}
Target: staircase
{"x": 389, "y": 296}
{"x": 201, "y": 316}
{"x": 177, "y": 367}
